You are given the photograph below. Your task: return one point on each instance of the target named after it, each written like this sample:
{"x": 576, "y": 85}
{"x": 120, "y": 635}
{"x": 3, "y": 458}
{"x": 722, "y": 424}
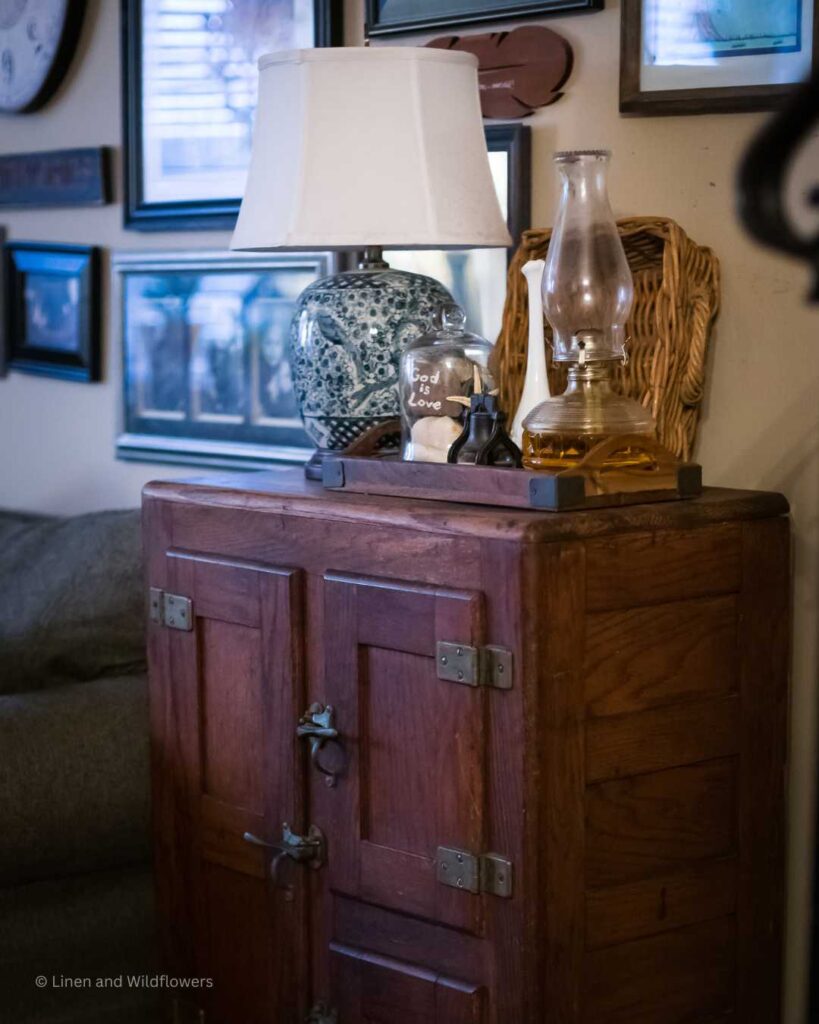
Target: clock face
{"x": 36, "y": 40}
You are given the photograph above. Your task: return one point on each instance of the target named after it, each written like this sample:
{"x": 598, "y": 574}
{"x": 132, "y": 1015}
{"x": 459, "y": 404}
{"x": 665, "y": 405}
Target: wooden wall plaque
{"x": 61, "y": 177}
{"x": 518, "y": 71}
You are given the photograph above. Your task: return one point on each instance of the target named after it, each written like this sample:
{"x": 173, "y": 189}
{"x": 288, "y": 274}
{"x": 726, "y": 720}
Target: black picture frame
{"x": 724, "y": 100}
{"x": 170, "y": 367}
{"x": 486, "y": 11}
{"x": 516, "y": 141}
{"x": 54, "y": 178}
{"x": 212, "y": 214}
{"x": 76, "y": 356}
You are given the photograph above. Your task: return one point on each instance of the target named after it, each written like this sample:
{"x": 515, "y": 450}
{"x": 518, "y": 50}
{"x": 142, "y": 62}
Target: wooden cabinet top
{"x": 286, "y": 490}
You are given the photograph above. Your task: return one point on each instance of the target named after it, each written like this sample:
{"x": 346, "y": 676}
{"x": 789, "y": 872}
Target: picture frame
{"x": 206, "y": 378}
{"x": 477, "y": 277}
{"x": 726, "y": 66}
{"x": 52, "y": 310}
{"x": 448, "y": 13}
{"x": 60, "y": 177}
{"x": 170, "y": 182}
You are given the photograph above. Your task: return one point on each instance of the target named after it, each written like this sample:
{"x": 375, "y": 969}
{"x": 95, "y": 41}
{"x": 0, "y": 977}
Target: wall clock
{"x": 37, "y": 42}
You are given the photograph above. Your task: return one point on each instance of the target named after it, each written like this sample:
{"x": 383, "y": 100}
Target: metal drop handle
{"x": 317, "y": 724}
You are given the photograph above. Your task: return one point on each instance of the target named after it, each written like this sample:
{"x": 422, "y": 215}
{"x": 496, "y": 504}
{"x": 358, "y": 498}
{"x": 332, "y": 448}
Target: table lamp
{"x": 362, "y": 149}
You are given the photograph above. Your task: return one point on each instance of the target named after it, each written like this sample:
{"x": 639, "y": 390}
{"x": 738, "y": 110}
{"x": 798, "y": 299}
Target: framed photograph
{"x": 713, "y": 56}
{"x": 52, "y": 313}
{"x": 61, "y": 177}
{"x": 189, "y": 96}
{"x": 206, "y": 374}
{"x": 385, "y": 17}
{"x": 477, "y": 277}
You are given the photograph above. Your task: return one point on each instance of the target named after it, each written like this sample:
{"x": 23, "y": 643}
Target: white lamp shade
{"x": 369, "y": 146}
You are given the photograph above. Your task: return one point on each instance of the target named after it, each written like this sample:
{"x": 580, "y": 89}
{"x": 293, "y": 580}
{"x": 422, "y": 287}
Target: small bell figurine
{"x": 483, "y": 440}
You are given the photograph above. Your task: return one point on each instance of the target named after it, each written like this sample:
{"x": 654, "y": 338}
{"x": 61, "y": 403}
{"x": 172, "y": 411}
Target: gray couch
{"x": 75, "y": 884}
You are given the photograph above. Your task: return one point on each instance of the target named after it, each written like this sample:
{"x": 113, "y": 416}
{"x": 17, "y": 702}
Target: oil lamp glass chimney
{"x": 588, "y": 292}
{"x": 587, "y": 285}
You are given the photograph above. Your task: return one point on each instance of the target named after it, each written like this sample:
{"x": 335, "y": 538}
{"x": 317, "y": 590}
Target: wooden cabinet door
{"x": 381, "y": 990}
{"x": 236, "y": 677}
{"x": 414, "y": 778}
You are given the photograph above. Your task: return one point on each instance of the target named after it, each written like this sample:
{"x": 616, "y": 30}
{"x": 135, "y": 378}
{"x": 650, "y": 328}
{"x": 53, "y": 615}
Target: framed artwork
{"x": 206, "y": 374}
{"x": 189, "y": 96}
{"x": 52, "y": 314}
{"x": 712, "y": 56}
{"x": 477, "y": 277}
{"x": 61, "y": 177}
{"x": 385, "y": 17}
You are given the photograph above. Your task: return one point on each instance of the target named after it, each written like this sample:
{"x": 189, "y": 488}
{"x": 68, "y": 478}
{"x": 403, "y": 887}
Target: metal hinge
{"x": 489, "y": 873}
{"x": 474, "y": 666}
{"x": 170, "y": 610}
{"x": 322, "y": 1014}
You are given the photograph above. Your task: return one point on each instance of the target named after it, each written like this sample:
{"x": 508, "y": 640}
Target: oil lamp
{"x": 587, "y": 296}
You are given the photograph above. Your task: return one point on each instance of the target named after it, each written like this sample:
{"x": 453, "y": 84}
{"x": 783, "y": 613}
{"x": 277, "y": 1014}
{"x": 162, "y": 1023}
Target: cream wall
{"x": 761, "y": 422}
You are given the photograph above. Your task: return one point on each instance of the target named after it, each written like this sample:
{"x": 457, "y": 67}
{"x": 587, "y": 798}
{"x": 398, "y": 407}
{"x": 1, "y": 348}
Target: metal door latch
{"x": 474, "y": 666}
{"x": 310, "y": 850}
{"x": 489, "y": 873}
{"x": 318, "y": 725}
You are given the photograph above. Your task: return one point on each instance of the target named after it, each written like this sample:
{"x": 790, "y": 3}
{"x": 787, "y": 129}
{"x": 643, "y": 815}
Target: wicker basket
{"x": 676, "y": 299}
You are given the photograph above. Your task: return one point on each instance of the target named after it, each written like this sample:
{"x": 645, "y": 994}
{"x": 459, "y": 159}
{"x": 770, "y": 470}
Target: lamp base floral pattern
{"x": 346, "y": 340}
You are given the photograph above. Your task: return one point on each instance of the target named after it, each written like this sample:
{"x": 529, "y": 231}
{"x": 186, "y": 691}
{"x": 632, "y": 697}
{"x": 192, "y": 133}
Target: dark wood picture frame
{"x": 522, "y": 9}
{"x": 211, "y": 214}
{"x": 724, "y": 100}
{"x": 82, "y": 262}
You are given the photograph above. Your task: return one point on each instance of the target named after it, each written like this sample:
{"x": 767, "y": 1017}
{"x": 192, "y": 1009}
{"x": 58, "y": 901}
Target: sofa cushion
{"x": 74, "y": 778}
{"x": 71, "y": 599}
{"x": 87, "y": 926}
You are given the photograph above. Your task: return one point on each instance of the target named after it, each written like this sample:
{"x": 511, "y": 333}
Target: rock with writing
{"x": 429, "y": 384}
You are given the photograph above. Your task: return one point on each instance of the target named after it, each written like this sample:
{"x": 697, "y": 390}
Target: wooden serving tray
{"x": 515, "y": 488}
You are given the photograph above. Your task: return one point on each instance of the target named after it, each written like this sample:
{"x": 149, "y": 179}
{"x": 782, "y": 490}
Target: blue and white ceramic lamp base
{"x": 346, "y": 340}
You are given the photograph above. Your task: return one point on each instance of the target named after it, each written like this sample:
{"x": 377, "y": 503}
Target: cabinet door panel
{"x": 237, "y": 674}
{"x": 414, "y": 743}
{"x": 372, "y": 989}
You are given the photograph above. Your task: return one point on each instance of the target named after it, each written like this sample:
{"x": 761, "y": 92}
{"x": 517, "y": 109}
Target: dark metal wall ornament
{"x": 518, "y": 71}
{"x": 763, "y": 176}
{"x": 37, "y": 43}
{"x": 206, "y": 379}
{"x": 658, "y": 76}
{"x": 52, "y": 314}
{"x": 208, "y": 209}
{"x": 422, "y": 15}
{"x": 61, "y": 177}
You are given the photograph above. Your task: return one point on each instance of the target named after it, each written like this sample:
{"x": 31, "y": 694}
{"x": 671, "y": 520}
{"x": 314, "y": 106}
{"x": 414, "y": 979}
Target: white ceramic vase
{"x": 536, "y": 381}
